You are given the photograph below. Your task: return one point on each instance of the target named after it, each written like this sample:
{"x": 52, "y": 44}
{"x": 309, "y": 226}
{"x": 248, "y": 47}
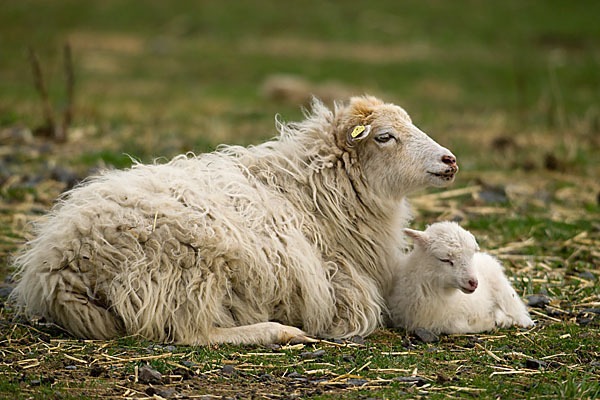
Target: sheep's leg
{"x": 260, "y": 333}
{"x": 512, "y": 309}
{"x": 82, "y": 317}
{"x": 475, "y": 324}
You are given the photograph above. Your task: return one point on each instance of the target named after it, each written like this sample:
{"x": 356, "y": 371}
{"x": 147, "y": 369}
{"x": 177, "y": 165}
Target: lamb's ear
{"x": 418, "y": 236}
{"x": 358, "y": 133}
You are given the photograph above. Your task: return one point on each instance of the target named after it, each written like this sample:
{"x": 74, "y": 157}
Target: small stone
{"x": 149, "y": 375}
{"x": 166, "y": 393}
{"x": 356, "y": 381}
{"x": 228, "y": 370}
{"x": 426, "y": 335}
{"x": 35, "y": 382}
{"x": 65, "y": 176}
{"x": 189, "y": 364}
{"x": 584, "y": 321}
{"x": 319, "y": 353}
{"x": 97, "y": 371}
{"x": 358, "y": 339}
{"x": 415, "y": 380}
{"x": 296, "y": 376}
{"x": 348, "y": 357}
{"x": 273, "y": 346}
{"x": 170, "y": 348}
{"x": 592, "y": 310}
{"x": 493, "y": 195}
{"x": 538, "y": 300}
{"x": 313, "y": 354}
{"x": 457, "y": 218}
{"x": 587, "y": 275}
{"x": 265, "y": 377}
{"x": 71, "y": 367}
{"x": 5, "y": 290}
{"x": 532, "y": 363}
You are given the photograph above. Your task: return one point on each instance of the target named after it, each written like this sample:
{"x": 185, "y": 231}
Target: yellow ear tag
{"x": 358, "y": 129}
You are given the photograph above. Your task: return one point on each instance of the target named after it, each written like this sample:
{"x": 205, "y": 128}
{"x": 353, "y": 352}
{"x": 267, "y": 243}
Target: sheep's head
{"x": 394, "y": 156}
{"x": 449, "y": 249}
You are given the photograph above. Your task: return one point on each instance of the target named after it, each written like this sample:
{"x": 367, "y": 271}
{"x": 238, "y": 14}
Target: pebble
{"x": 228, "y": 370}
{"x": 170, "y": 348}
{"x": 592, "y": 310}
{"x": 265, "y": 377}
{"x": 417, "y": 380}
{"x": 5, "y": 290}
{"x": 296, "y": 376}
{"x": 313, "y": 354}
{"x": 166, "y": 393}
{"x": 358, "y": 339}
{"x": 149, "y": 375}
{"x": 538, "y": 300}
{"x": 493, "y": 195}
{"x": 532, "y": 363}
{"x": 189, "y": 364}
{"x": 97, "y": 371}
{"x": 587, "y": 275}
{"x": 356, "y": 381}
{"x": 71, "y": 367}
{"x": 426, "y": 335}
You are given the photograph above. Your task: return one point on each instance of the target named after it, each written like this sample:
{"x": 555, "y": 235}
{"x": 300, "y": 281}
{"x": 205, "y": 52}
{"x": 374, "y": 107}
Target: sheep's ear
{"x": 418, "y": 236}
{"x": 358, "y": 133}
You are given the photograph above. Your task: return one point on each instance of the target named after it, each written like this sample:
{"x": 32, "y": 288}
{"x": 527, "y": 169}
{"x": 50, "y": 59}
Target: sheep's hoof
{"x": 303, "y": 339}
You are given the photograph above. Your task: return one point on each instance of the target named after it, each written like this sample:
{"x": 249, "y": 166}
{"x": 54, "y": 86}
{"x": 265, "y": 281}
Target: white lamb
{"x": 435, "y": 285}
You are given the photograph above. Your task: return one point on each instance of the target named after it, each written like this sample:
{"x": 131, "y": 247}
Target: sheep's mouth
{"x": 447, "y": 175}
{"x": 466, "y": 290}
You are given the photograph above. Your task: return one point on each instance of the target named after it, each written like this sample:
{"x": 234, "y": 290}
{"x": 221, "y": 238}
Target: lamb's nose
{"x": 473, "y": 283}
{"x": 450, "y": 161}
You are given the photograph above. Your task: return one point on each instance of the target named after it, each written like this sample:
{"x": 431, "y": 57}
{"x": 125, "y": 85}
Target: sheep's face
{"x": 449, "y": 249}
{"x": 394, "y": 156}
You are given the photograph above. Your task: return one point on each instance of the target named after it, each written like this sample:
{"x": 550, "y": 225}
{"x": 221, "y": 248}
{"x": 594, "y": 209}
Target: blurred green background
{"x": 159, "y": 78}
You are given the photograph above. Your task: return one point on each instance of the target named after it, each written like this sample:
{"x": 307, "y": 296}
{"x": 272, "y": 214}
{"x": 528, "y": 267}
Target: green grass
{"x": 511, "y": 88}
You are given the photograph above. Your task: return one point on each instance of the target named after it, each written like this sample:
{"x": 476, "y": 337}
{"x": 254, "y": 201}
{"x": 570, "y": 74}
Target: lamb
{"x": 270, "y": 243}
{"x": 447, "y": 286}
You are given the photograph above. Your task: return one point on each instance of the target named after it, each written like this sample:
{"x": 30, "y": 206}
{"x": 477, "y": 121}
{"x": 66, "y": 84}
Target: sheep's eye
{"x": 384, "y": 137}
{"x": 446, "y": 260}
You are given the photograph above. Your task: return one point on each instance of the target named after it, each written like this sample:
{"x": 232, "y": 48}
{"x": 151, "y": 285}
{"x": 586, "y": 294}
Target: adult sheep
{"x": 215, "y": 248}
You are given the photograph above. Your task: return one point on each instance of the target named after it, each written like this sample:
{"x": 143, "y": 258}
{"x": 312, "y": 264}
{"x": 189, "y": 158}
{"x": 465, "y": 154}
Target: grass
{"x": 513, "y": 89}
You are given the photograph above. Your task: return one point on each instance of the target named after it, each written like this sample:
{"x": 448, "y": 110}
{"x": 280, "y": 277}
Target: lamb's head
{"x": 449, "y": 250}
{"x": 393, "y": 155}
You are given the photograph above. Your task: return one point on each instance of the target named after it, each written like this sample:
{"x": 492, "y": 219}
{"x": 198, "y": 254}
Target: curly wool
{"x": 275, "y": 232}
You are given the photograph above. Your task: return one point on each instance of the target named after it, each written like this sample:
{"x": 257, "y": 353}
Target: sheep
{"x": 278, "y": 242}
{"x": 446, "y": 286}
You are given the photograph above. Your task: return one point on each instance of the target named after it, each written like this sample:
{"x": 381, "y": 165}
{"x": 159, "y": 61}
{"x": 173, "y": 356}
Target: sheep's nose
{"x": 473, "y": 283}
{"x": 450, "y": 161}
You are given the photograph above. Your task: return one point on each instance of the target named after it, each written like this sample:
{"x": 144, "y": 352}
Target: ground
{"x": 512, "y": 88}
